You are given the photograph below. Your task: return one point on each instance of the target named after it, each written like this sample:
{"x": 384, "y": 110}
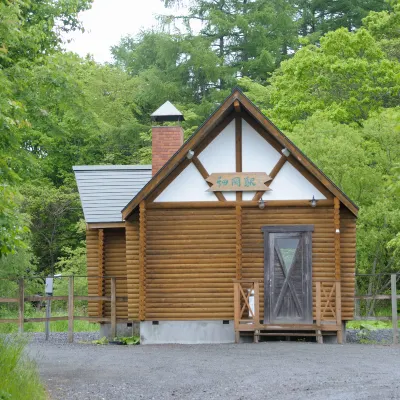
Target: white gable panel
{"x": 248, "y": 195}
{"x": 229, "y": 196}
{"x": 290, "y": 184}
{"x": 220, "y": 154}
{"x": 189, "y": 185}
{"x": 257, "y": 154}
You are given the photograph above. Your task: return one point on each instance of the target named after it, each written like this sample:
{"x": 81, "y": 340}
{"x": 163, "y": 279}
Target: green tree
{"x": 384, "y": 26}
{"x": 347, "y": 76}
{"x": 29, "y": 32}
{"x": 250, "y": 38}
{"x": 317, "y": 17}
{"x": 54, "y": 216}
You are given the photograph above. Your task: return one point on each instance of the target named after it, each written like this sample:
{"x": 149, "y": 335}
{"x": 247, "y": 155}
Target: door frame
{"x": 267, "y": 230}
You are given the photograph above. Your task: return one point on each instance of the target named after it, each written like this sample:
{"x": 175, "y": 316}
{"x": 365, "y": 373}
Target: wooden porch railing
{"x": 328, "y": 307}
{"x": 328, "y": 310}
{"x": 243, "y": 290}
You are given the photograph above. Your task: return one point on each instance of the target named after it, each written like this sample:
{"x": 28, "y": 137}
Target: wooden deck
{"x": 328, "y": 318}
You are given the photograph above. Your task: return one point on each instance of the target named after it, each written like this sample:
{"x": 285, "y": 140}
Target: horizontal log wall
{"x": 190, "y": 264}
{"x": 323, "y": 251}
{"x": 132, "y": 268}
{"x": 92, "y": 258}
{"x": 115, "y": 265}
{"x": 348, "y": 259}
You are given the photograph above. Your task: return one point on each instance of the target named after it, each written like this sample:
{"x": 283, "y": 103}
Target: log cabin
{"x": 230, "y": 234}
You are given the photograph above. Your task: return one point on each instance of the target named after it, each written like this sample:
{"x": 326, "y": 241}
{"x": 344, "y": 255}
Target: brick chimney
{"x": 166, "y": 140}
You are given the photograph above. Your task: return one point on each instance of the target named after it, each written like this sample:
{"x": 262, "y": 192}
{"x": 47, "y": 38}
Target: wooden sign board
{"x": 238, "y": 182}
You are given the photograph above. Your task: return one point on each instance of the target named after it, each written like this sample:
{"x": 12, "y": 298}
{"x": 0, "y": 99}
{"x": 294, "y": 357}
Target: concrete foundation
{"x": 186, "y": 332}
{"x": 122, "y": 330}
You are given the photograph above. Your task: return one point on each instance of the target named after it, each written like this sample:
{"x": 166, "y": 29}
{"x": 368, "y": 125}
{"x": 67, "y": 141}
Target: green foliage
{"x": 13, "y": 223}
{"x": 19, "y": 378}
{"x": 369, "y": 325}
{"x": 128, "y": 340}
{"x": 318, "y": 17}
{"x": 384, "y": 26}
{"x": 54, "y": 213}
{"x": 101, "y": 341}
{"x": 347, "y": 76}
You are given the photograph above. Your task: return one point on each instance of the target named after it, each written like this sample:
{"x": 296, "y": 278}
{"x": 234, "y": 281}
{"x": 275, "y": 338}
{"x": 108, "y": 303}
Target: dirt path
{"x": 272, "y": 370}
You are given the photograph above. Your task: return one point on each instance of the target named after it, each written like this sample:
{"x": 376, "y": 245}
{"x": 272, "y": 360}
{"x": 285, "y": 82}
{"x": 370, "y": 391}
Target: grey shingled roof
{"x": 106, "y": 189}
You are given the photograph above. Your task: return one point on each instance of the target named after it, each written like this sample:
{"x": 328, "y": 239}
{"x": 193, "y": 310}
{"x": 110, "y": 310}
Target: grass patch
{"x": 55, "y": 326}
{"x": 370, "y": 325}
{"x": 19, "y": 378}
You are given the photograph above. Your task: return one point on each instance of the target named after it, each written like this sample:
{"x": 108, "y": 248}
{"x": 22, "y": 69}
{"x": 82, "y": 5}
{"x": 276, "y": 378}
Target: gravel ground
{"x": 378, "y": 336}
{"x": 272, "y": 370}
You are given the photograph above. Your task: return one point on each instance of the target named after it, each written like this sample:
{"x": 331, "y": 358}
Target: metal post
{"x": 394, "y": 309}
{"x": 71, "y": 310}
{"x": 48, "y": 289}
{"x": 48, "y": 316}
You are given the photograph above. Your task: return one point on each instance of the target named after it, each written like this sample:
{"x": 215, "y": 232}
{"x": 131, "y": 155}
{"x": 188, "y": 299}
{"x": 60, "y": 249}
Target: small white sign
{"x": 49, "y": 286}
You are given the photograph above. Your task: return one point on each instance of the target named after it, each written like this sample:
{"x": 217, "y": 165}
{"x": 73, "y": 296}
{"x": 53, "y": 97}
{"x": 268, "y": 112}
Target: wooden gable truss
{"x": 237, "y": 107}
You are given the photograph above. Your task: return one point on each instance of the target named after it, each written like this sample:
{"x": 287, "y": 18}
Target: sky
{"x": 108, "y": 20}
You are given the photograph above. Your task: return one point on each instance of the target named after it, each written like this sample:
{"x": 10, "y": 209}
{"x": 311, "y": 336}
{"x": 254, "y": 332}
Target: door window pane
{"x": 287, "y": 248}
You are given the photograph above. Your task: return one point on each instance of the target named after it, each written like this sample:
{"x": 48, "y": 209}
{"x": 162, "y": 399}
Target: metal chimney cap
{"x": 167, "y": 112}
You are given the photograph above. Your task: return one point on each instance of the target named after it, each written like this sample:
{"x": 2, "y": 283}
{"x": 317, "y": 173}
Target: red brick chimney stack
{"x": 166, "y": 140}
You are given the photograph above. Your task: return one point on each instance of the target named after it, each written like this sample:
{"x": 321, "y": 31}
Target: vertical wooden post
{"x": 257, "y": 303}
{"x": 393, "y": 280}
{"x": 21, "y": 306}
{"x": 318, "y": 302}
{"x": 318, "y": 311}
{"x": 238, "y": 141}
{"x": 238, "y": 242}
{"x": 236, "y": 310}
{"x": 256, "y": 310}
{"x": 113, "y": 308}
{"x": 101, "y": 271}
{"x": 71, "y": 309}
{"x": 142, "y": 261}
{"x": 339, "y": 312}
{"x": 336, "y": 217}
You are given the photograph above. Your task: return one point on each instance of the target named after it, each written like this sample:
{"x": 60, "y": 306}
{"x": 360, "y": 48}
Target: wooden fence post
{"x": 71, "y": 310}
{"x": 318, "y": 311}
{"x": 256, "y": 310}
{"x": 236, "y": 309}
{"x": 339, "y": 312}
{"x": 113, "y": 309}
{"x": 394, "y": 309}
{"x": 257, "y": 302}
{"x": 21, "y": 305}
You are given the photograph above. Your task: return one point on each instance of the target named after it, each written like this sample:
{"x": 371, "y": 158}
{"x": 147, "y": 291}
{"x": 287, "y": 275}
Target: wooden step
{"x": 290, "y": 327}
{"x": 285, "y": 334}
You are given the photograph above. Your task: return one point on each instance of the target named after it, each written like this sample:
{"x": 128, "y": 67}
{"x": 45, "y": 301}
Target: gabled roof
{"x": 236, "y": 100}
{"x": 105, "y": 189}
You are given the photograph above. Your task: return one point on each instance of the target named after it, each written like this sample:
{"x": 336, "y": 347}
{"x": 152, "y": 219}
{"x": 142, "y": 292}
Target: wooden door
{"x": 287, "y": 273}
